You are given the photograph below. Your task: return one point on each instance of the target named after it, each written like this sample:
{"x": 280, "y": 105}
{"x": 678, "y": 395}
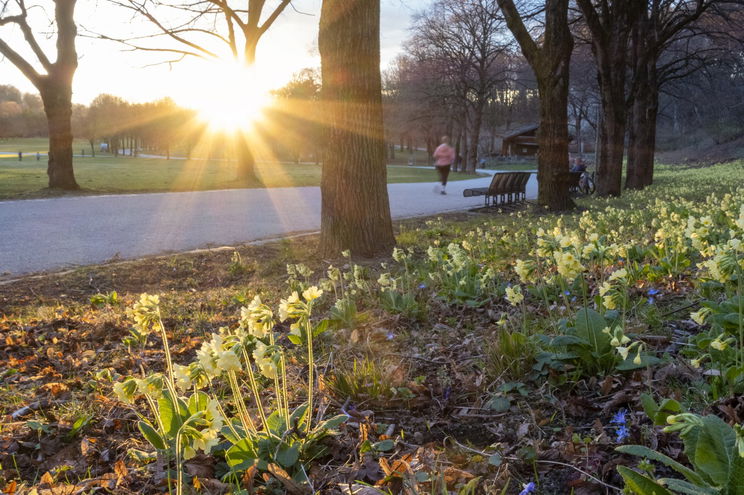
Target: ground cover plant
{"x": 590, "y": 352}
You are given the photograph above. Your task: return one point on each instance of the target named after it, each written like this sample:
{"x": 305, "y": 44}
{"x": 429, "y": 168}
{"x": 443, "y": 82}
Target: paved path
{"x": 58, "y": 233}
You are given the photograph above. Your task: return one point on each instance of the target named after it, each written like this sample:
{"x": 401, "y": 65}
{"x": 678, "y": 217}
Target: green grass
{"x": 31, "y": 145}
{"x": 105, "y": 174}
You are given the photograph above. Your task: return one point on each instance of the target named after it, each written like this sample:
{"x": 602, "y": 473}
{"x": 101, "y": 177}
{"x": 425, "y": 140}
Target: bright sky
{"x": 289, "y": 46}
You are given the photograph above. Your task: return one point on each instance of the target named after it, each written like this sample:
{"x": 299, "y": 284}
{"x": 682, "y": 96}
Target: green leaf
{"x": 169, "y": 417}
{"x": 198, "y": 402}
{"x": 589, "y": 326}
{"x": 641, "y": 451}
{"x": 288, "y": 456}
{"x": 688, "y": 488}
{"x": 321, "y": 327}
{"x": 275, "y": 423}
{"x": 499, "y": 404}
{"x": 151, "y": 435}
{"x": 715, "y": 447}
{"x": 384, "y": 445}
{"x": 242, "y": 455}
{"x": 640, "y": 484}
{"x": 650, "y": 407}
{"x": 646, "y": 360}
{"x": 470, "y": 486}
{"x": 333, "y": 423}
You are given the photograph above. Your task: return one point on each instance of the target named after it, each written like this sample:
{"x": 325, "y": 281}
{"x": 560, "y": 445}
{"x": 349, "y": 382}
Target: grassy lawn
{"x": 105, "y": 174}
{"x": 11, "y": 147}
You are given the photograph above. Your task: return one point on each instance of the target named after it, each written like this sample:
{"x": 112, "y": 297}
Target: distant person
{"x": 38, "y": 156}
{"x": 578, "y": 165}
{"x": 444, "y": 156}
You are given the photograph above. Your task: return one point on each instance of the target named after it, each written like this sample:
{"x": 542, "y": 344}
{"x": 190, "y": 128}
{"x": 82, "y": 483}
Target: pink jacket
{"x": 444, "y": 155}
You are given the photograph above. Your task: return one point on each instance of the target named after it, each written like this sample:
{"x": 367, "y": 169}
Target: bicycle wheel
{"x": 590, "y": 186}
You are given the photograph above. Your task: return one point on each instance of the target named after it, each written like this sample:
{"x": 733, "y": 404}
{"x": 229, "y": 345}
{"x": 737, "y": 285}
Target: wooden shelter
{"x": 521, "y": 141}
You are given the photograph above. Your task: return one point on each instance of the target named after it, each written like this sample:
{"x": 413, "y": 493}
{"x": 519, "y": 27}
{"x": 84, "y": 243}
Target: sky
{"x": 106, "y": 67}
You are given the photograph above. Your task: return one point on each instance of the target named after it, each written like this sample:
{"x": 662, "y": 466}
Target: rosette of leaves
{"x": 713, "y": 449}
{"x": 585, "y": 345}
{"x": 287, "y": 446}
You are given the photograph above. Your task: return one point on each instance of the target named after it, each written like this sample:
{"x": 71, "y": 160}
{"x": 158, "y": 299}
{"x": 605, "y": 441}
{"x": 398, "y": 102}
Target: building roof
{"x": 525, "y": 129}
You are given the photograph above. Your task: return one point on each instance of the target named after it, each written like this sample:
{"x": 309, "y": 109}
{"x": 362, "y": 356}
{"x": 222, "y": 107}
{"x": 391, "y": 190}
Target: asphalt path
{"x": 60, "y": 233}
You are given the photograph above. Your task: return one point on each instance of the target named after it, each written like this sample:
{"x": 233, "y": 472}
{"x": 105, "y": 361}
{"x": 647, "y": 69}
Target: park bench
{"x": 505, "y": 188}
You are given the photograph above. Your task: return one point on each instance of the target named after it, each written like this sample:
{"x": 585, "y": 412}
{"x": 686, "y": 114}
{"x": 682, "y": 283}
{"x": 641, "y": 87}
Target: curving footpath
{"x": 60, "y": 233}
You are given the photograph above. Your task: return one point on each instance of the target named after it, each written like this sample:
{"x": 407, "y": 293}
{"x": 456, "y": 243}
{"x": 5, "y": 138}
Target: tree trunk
{"x": 355, "y": 211}
{"x": 643, "y": 129}
{"x": 472, "y": 159}
{"x": 550, "y": 63}
{"x": 611, "y": 24}
{"x": 552, "y": 138}
{"x": 246, "y": 161}
{"x": 57, "y": 100}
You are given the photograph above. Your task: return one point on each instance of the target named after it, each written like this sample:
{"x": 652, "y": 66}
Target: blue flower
{"x": 653, "y": 292}
{"x": 567, "y": 292}
{"x": 622, "y": 434}
{"x": 618, "y": 418}
{"x": 651, "y": 300}
{"x": 422, "y": 286}
{"x": 528, "y": 488}
{"x": 390, "y": 335}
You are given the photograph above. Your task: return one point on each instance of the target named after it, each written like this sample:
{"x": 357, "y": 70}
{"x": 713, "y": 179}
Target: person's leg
{"x": 444, "y": 175}
{"x": 440, "y": 172}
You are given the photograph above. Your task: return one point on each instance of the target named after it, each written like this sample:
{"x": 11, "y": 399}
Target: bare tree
{"x": 205, "y": 29}
{"x": 610, "y": 23}
{"x": 550, "y": 62}
{"x": 668, "y": 43}
{"x": 466, "y": 37}
{"x": 355, "y": 212}
{"x": 54, "y": 81}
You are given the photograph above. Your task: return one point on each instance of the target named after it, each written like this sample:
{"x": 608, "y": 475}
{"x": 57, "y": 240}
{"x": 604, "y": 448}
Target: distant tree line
{"x": 289, "y": 131}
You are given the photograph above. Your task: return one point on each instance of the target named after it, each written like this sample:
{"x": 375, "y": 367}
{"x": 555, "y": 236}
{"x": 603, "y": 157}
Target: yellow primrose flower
{"x": 514, "y": 295}
{"x": 719, "y": 345}
{"x": 621, "y": 274}
{"x": 623, "y": 351}
{"x": 312, "y": 293}
{"x": 700, "y": 315}
{"x": 182, "y": 376}
{"x": 229, "y": 361}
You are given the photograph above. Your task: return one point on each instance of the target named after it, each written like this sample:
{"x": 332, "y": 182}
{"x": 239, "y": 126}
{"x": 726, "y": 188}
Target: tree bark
{"x": 355, "y": 211}
{"x": 58, "y": 108}
{"x": 643, "y": 131}
{"x": 550, "y": 63}
{"x": 611, "y": 24}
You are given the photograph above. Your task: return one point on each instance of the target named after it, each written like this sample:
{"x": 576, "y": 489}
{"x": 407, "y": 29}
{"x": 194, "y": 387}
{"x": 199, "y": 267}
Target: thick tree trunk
{"x": 611, "y": 24}
{"x": 552, "y": 138}
{"x": 355, "y": 212}
{"x": 550, "y": 63}
{"x": 57, "y": 100}
{"x": 643, "y": 129}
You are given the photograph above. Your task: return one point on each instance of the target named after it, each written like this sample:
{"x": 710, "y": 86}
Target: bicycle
{"x": 586, "y": 183}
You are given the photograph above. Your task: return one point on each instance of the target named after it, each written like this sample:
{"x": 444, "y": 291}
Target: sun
{"x": 234, "y": 96}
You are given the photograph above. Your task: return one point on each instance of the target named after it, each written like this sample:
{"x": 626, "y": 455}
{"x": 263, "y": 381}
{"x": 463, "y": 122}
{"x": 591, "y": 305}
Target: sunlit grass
{"x": 116, "y": 175}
